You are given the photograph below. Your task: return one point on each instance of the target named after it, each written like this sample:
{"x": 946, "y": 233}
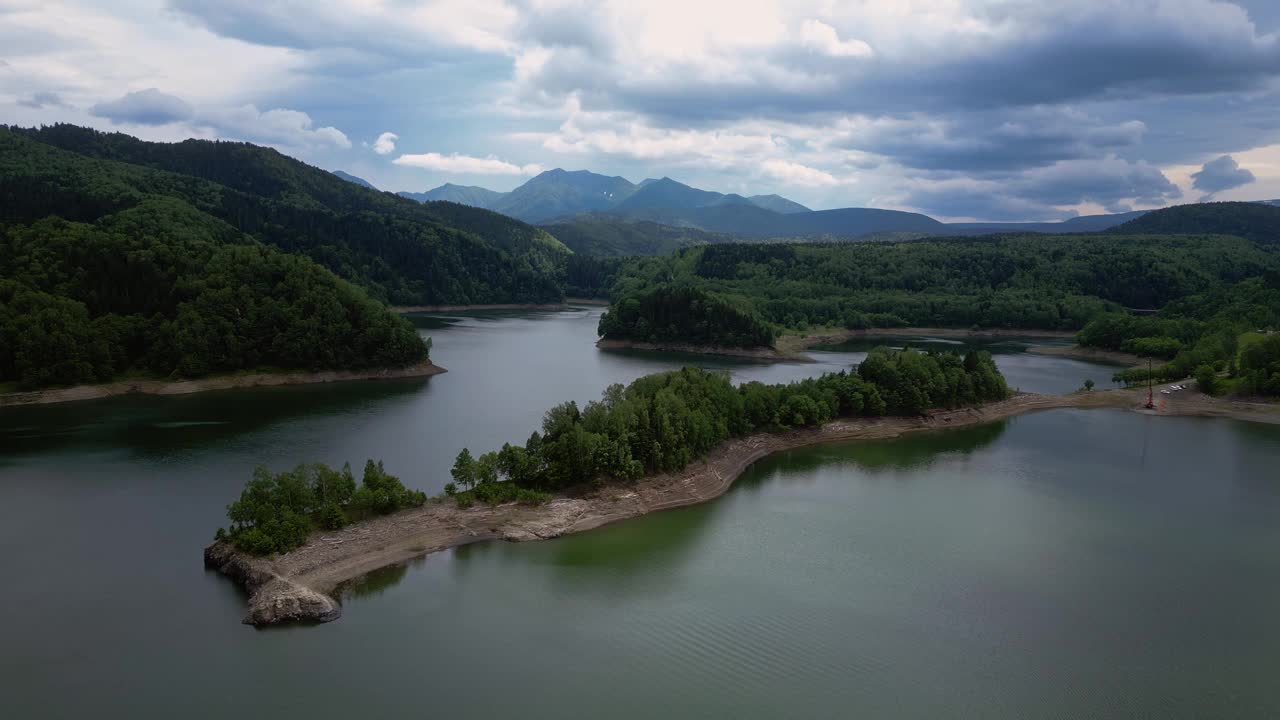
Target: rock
{"x": 282, "y": 601}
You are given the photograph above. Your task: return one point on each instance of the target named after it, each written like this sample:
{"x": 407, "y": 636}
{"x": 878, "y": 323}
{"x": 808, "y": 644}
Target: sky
{"x": 999, "y": 110}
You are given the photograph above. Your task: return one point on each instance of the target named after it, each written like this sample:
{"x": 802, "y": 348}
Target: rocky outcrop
{"x": 272, "y": 599}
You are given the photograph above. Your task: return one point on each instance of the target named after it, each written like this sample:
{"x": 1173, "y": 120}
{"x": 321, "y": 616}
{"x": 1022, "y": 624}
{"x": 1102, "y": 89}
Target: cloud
{"x": 1048, "y": 193}
{"x": 386, "y": 143}
{"x": 794, "y": 173}
{"x": 289, "y": 128}
{"x": 466, "y": 164}
{"x": 1220, "y": 174}
{"x": 821, "y": 37}
{"x": 144, "y": 107}
{"x": 989, "y": 141}
{"x": 41, "y": 100}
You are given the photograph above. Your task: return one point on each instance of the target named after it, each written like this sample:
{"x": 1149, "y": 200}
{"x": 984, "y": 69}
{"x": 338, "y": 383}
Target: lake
{"x": 1060, "y": 564}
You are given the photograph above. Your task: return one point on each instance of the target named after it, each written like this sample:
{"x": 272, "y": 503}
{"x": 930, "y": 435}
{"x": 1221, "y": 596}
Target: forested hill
{"x": 400, "y": 251}
{"x": 1015, "y": 281}
{"x": 155, "y": 287}
{"x": 1258, "y": 222}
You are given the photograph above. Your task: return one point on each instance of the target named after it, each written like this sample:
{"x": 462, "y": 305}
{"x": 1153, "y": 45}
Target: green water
{"x": 1062, "y": 564}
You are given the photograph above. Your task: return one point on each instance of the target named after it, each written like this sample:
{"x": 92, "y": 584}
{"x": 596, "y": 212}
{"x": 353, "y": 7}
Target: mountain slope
{"x": 400, "y": 251}
{"x": 560, "y": 193}
{"x": 1258, "y": 222}
{"x": 472, "y": 195}
{"x": 778, "y": 204}
{"x": 668, "y": 194}
{"x": 353, "y": 179}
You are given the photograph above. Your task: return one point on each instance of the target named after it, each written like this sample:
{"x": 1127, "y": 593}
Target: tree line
{"x": 662, "y": 422}
{"x": 277, "y": 511}
{"x": 1006, "y": 281}
{"x": 684, "y": 315}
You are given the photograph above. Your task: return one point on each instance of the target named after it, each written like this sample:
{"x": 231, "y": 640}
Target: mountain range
{"x": 609, "y": 215}
{"x": 559, "y": 194}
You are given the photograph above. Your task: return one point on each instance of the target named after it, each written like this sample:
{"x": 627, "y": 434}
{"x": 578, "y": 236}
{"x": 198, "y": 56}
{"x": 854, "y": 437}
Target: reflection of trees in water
{"x": 636, "y": 552}
{"x": 910, "y": 451}
{"x": 376, "y": 582}
{"x": 148, "y": 425}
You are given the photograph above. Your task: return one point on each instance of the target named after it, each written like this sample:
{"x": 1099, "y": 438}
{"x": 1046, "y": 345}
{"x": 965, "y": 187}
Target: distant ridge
{"x": 353, "y": 179}
{"x": 472, "y": 195}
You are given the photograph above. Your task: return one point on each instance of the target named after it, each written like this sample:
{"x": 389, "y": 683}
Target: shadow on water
{"x": 909, "y": 452}
{"x": 636, "y": 552}
{"x": 161, "y": 424}
{"x": 994, "y": 345}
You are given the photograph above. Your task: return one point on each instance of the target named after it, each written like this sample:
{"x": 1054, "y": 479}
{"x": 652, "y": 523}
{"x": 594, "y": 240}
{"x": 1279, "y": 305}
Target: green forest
{"x": 399, "y": 251}
{"x": 160, "y": 289}
{"x": 276, "y": 511}
{"x": 668, "y": 314}
{"x": 662, "y": 422}
{"x": 1004, "y": 281}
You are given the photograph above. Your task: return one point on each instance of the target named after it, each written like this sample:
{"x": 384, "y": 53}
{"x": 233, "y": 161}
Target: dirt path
{"x": 301, "y": 584}
{"x": 223, "y": 382}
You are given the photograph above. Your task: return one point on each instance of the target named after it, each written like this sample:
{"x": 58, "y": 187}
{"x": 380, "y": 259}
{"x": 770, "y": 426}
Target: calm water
{"x": 1062, "y": 564}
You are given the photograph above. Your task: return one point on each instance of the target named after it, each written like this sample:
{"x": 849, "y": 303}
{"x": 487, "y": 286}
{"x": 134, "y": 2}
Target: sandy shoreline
{"x": 301, "y": 585}
{"x": 221, "y": 382}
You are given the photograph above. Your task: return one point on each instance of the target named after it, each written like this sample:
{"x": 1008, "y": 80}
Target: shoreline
{"x": 304, "y": 585}
{"x": 1080, "y": 352}
{"x": 755, "y": 353}
{"x": 77, "y": 393}
{"x": 792, "y": 347}
{"x": 568, "y": 303}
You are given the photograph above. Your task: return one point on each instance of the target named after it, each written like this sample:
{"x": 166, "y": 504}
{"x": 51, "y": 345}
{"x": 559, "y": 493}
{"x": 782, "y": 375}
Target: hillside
{"x": 400, "y": 251}
{"x": 558, "y": 193}
{"x": 156, "y": 287}
{"x": 1259, "y": 222}
{"x": 1018, "y": 281}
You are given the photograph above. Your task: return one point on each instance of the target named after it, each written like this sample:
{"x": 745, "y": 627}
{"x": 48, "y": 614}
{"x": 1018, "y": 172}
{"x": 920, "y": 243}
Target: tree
{"x": 464, "y": 470}
{"x": 1207, "y": 379}
{"x": 1088, "y": 385}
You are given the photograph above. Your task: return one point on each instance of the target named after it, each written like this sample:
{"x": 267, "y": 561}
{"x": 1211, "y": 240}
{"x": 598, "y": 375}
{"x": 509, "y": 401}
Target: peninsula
{"x": 305, "y": 584}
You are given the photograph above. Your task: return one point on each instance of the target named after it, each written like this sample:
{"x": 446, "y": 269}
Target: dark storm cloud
{"x": 993, "y": 142}
{"x": 1040, "y": 193}
{"x": 1220, "y": 174}
{"x": 144, "y": 107}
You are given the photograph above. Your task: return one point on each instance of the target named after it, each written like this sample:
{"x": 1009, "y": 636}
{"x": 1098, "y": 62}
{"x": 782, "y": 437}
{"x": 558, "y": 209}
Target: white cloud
{"x": 386, "y": 143}
{"x": 288, "y": 128}
{"x": 466, "y": 164}
{"x": 794, "y": 173}
{"x": 821, "y": 37}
